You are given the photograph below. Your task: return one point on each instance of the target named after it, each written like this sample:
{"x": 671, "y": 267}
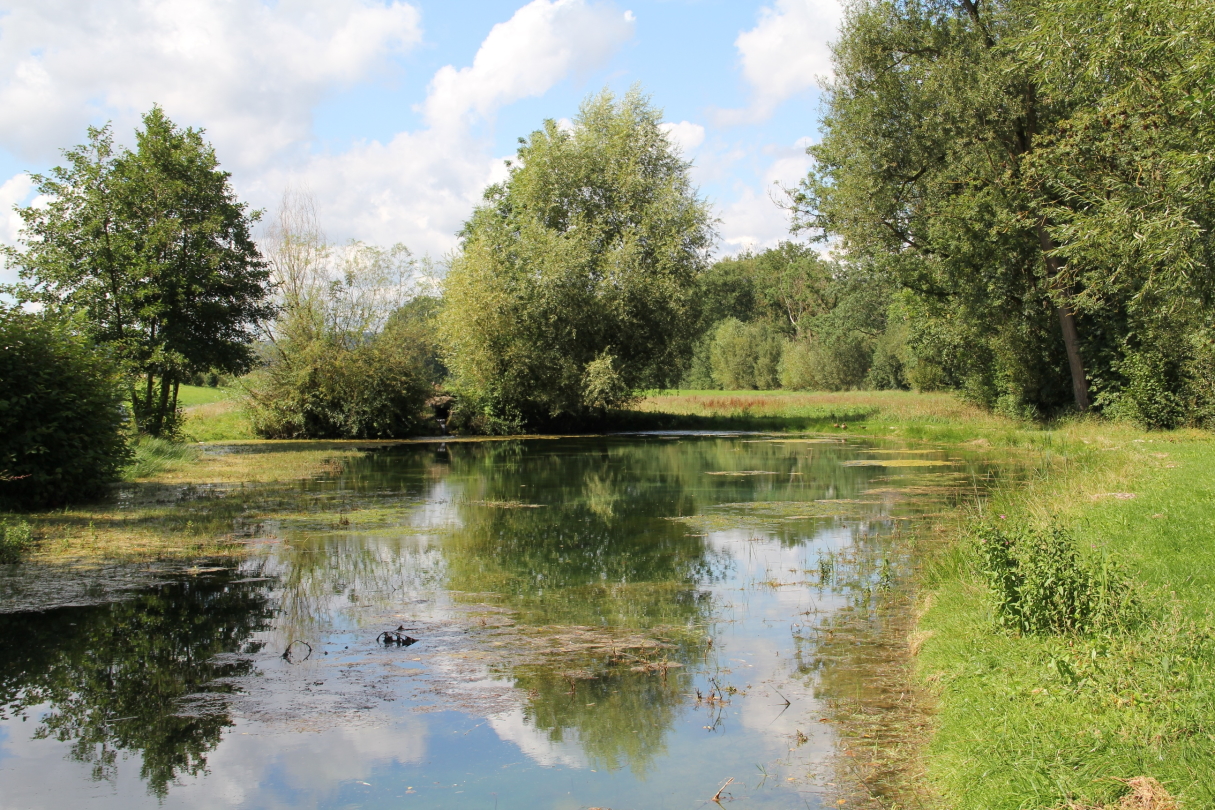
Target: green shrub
{"x": 745, "y": 355}
{"x": 15, "y": 540}
{"x": 61, "y": 416}
{"x": 327, "y": 389}
{"x": 1042, "y": 585}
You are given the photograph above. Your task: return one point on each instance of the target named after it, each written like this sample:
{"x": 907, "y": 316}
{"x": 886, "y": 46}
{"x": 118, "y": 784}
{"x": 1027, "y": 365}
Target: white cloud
{"x": 755, "y": 219}
{"x": 784, "y": 54}
{"x": 685, "y": 135}
{"x": 523, "y": 57}
{"x": 250, "y": 71}
{"x": 420, "y": 186}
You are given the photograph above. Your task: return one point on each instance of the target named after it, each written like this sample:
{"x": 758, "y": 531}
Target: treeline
{"x": 1038, "y": 177}
{"x": 787, "y": 318}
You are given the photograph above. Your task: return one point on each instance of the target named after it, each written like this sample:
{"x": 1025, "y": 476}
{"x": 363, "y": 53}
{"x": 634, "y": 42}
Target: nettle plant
{"x": 1043, "y": 585}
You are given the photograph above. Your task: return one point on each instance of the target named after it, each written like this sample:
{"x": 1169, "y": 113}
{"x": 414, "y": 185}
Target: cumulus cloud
{"x": 251, "y": 71}
{"x": 784, "y": 54}
{"x": 755, "y": 219}
{"x": 420, "y": 186}
{"x": 523, "y": 57}
{"x": 685, "y": 135}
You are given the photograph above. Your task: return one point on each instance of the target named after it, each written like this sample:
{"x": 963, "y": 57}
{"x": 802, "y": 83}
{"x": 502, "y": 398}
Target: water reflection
{"x": 147, "y": 676}
{"x": 626, "y": 606}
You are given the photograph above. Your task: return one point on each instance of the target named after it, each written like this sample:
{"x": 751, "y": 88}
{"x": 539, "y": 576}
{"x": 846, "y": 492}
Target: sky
{"x": 396, "y": 114}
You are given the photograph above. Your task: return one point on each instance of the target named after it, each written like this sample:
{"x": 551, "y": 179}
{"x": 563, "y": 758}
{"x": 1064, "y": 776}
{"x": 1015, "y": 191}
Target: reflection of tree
{"x": 618, "y": 718}
{"x": 140, "y": 675}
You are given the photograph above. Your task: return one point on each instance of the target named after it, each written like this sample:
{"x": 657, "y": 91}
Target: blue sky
{"x": 395, "y": 115}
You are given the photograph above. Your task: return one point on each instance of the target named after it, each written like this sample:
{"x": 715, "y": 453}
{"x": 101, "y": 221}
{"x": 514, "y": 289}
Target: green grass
{"x": 1037, "y": 721}
{"x": 190, "y": 395}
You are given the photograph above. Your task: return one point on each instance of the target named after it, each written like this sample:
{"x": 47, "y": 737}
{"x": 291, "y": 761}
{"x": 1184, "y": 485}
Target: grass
{"x": 1037, "y": 721}
{"x": 214, "y": 414}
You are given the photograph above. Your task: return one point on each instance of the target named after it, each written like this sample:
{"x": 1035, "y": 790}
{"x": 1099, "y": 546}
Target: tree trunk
{"x": 164, "y": 404}
{"x": 1067, "y": 323}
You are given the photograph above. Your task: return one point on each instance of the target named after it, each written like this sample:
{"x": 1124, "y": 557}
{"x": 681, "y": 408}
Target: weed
{"x": 15, "y": 540}
{"x": 1043, "y": 585}
{"x": 153, "y": 455}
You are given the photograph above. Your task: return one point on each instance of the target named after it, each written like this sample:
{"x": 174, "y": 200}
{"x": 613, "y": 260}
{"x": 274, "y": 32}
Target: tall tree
{"x": 155, "y": 246}
{"x": 575, "y": 283}
{"x": 979, "y": 150}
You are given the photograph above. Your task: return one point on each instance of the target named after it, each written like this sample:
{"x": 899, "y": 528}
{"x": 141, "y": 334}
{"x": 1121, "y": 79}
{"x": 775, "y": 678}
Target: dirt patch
{"x": 1146, "y": 793}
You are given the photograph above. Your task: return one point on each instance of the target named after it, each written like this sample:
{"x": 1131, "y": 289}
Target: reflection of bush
{"x": 618, "y": 717}
{"x": 137, "y": 676}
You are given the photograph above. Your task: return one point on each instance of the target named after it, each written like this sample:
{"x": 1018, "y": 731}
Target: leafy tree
{"x": 351, "y": 353}
{"x": 61, "y": 422}
{"x": 576, "y": 280}
{"x": 155, "y": 247}
{"x": 1038, "y": 173}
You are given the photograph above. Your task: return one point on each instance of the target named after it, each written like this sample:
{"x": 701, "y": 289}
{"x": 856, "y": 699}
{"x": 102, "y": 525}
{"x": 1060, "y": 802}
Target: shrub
{"x": 745, "y": 355}
{"x": 1042, "y": 585}
{"x": 61, "y": 417}
{"x": 327, "y": 389}
{"x": 15, "y": 540}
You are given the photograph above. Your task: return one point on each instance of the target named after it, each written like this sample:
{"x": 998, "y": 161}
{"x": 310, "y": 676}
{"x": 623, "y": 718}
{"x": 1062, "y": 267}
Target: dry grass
{"x": 869, "y": 406}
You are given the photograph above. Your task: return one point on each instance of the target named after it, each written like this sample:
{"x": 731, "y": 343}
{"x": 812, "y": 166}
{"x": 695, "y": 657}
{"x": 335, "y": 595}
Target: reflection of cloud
{"x": 246, "y": 771}
{"x": 513, "y": 727}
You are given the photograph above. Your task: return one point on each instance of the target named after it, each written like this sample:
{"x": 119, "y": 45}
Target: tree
{"x": 155, "y": 247}
{"x": 351, "y": 352}
{"x": 61, "y": 423}
{"x": 1033, "y": 171}
{"x": 575, "y": 283}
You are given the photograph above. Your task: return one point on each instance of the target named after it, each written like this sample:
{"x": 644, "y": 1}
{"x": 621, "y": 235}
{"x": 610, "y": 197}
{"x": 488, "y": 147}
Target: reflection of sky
{"x": 765, "y": 583}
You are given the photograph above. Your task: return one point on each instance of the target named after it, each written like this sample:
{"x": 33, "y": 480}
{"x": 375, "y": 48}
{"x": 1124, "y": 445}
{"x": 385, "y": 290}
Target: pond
{"x": 605, "y": 622}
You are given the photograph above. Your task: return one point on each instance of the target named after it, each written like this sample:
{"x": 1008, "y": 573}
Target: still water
{"x": 612, "y": 622}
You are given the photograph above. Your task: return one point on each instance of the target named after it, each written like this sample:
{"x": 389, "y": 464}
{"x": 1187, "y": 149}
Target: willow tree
{"x": 574, "y": 285}
{"x": 1037, "y": 171}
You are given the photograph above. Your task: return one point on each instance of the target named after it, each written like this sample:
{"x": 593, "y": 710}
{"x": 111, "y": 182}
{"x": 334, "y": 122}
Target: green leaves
{"x": 589, "y": 250}
{"x": 154, "y": 246}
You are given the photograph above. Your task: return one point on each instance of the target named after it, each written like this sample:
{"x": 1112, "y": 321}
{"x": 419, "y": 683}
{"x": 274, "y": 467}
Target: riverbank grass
{"x": 1057, "y": 720}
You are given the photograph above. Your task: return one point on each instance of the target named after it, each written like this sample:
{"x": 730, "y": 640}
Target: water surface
{"x": 617, "y": 622}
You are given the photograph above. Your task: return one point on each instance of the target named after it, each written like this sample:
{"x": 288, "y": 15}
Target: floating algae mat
{"x": 570, "y": 622}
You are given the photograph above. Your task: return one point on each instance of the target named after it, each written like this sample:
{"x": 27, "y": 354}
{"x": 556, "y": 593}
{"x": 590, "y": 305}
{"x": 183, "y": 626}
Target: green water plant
{"x": 1042, "y": 584}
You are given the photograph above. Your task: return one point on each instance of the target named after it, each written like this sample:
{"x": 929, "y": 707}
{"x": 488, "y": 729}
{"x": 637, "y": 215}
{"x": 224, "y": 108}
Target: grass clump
{"x": 1043, "y": 585}
{"x": 153, "y": 456}
{"x": 15, "y": 540}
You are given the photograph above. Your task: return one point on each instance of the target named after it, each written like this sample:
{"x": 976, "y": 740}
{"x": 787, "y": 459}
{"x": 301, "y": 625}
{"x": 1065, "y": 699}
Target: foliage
{"x": 745, "y": 355}
{"x": 1038, "y": 175}
{"x": 1043, "y": 585}
{"x": 352, "y": 353}
{"x": 15, "y": 540}
{"x": 155, "y": 247}
{"x": 576, "y": 281}
{"x": 61, "y": 418}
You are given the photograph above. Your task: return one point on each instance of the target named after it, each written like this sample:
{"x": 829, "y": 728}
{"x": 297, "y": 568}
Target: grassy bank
{"x": 1044, "y": 720}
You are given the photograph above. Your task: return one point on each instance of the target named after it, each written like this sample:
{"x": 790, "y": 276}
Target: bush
{"x": 15, "y": 540}
{"x": 745, "y": 355}
{"x": 61, "y": 417}
{"x": 1043, "y": 585}
{"x": 327, "y": 389}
